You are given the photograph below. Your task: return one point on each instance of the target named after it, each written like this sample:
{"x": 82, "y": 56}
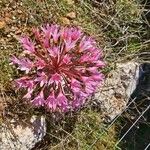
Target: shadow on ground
{"x": 136, "y": 129}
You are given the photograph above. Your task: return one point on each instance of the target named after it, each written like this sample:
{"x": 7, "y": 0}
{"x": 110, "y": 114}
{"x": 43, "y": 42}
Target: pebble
{"x": 2, "y": 24}
{"x": 8, "y": 20}
{"x": 71, "y": 15}
{"x": 70, "y": 2}
{"x": 8, "y": 35}
{"x": 19, "y": 12}
{"x": 65, "y": 21}
{"x": 14, "y": 18}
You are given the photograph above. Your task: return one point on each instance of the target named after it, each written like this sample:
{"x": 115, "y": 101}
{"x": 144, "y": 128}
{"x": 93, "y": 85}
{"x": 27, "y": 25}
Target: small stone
{"x": 70, "y": 2}
{"x": 13, "y": 28}
{"x": 65, "y": 21}
{"x": 23, "y": 137}
{"x": 2, "y": 40}
{"x": 8, "y": 35}
{"x": 1, "y": 109}
{"x": 71, "y": 15}
{"x": 13, "y": 17}
{"x": 75, "y": 22}
{"x": 2, "y": 24}
{"x": 20, "y": 3}
{"x": 19, "y": 12}
{"x": 18, "y": 31}
{"x": 7, "y": 19}
{"x": 19, "y": 22}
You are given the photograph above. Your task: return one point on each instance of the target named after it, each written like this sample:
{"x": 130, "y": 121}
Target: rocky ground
{"x": 112, "y": 99}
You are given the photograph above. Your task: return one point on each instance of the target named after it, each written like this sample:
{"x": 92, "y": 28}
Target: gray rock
{"x": 15, "y": 136}
{"x": 113, "y": 96}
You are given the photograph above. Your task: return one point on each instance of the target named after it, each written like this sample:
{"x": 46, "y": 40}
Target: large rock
{"x": 117, "y": 88}
{"x": 16, "y": 136}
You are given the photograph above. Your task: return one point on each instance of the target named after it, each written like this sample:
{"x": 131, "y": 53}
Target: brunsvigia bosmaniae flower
{"x": 62, "y": 67}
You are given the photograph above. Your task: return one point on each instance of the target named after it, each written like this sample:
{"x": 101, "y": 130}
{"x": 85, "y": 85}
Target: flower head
{"x": 62, "y": 67}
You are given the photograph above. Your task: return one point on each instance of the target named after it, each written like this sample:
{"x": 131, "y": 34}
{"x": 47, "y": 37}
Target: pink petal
{"x": 14, "y": 60}
{"x": 75, "y": 86}
{"x": 92, "y": 69}
{"x": 62, "y": 101}
{"x": 55, "y": 32}
{"x": 89, "y": 89}
{"x": 86, "y": 43}
{"x": 42, "y": 78}
{"x": 24, "y": 64}
{"x": 76, "y": 34}
{"x": 98, "y": 77}
{"x": 51, "y": 102}
{"x": 28, "y": 95}
{"x": 55, "y": 78}
{"x": 40, "y": 64}
{"x": 47, "y": 35}
{"x": 67, "y": 59}
{"x": 85, "y": 58}
{"x": 99, "y": 63}
{"x": 54, "y": 51}
{"x": 27, "y": 44}
{"x": 24, "y": 82}
{"x": 39, "y": 100}
{"x": 77, "y": 102}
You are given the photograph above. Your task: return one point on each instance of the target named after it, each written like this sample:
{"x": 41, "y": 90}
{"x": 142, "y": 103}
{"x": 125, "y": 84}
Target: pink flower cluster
{"x": 62, "y": 67}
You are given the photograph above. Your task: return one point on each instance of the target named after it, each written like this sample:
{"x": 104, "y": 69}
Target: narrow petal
{"x": 27, "y": 44}
{"x": 67, "y": 59}
{"x": 55, "y": 32}
{"x": 62, "y": 101}
{"x": 42, "y": 79}
{"x": 39, "y": 100}
{"x": 99, "y": 63}
{"x": 54, "y": 51}
{"x": 55, "y": 78}
{"x": 47, "y": 35}
{"x": 77, "y": 102}
{"x": 24, "y": 82}
{"x": 75, "y": 86}
{"x": 24, "y": 64}
{"x": 86, "y": 43}
{"x": 28, "y": 94}
{"x": 40, "y": 64}
{"x": 51, "y": 102}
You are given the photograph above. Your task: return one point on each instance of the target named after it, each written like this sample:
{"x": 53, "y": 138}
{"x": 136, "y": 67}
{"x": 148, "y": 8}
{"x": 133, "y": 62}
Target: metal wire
{"x": 147, "y": 146}
{"x": 132, "y": 125}
{"x": 106, "y": 130}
